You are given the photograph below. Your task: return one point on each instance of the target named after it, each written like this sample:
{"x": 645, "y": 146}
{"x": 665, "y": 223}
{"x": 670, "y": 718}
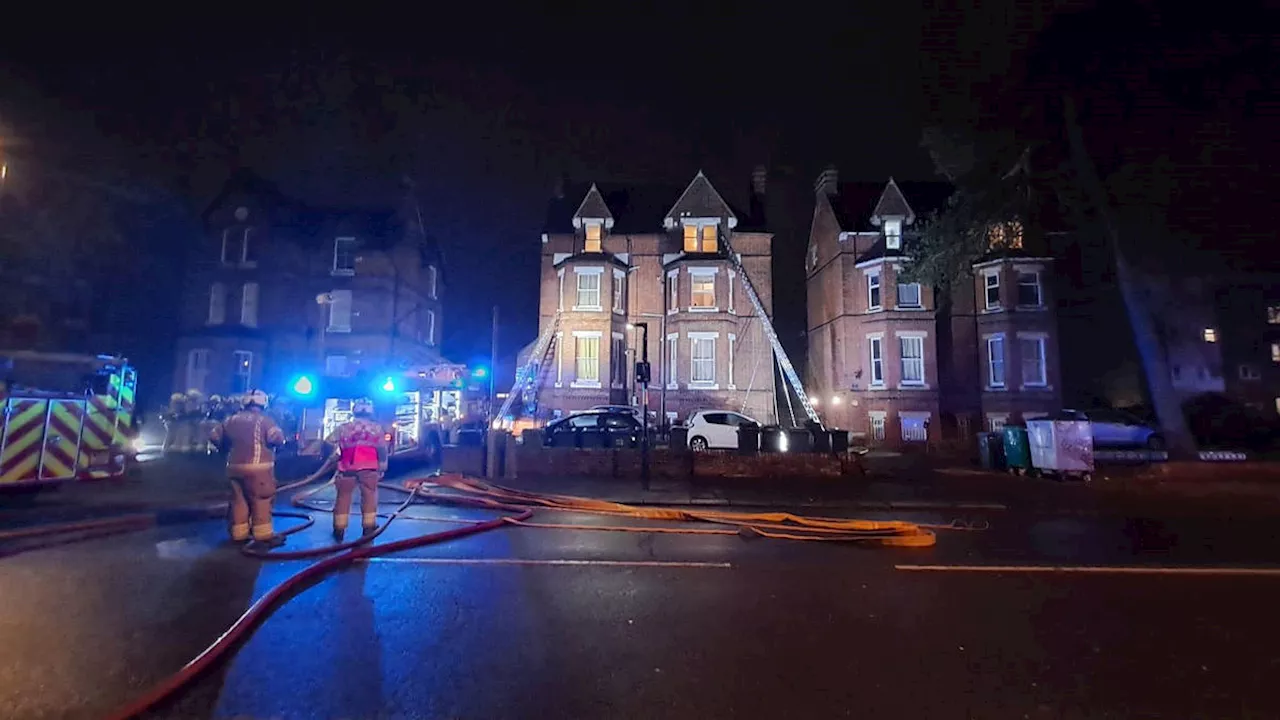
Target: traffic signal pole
{"x": 642, "y": 376}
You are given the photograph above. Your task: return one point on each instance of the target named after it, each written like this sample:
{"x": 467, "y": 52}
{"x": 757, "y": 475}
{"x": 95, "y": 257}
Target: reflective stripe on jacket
{"x": 249, "y": 439}
{"x": 357, "y": 442}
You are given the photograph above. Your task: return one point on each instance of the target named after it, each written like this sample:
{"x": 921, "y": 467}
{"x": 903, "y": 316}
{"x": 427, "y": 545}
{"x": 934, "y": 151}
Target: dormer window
{"x": 893, "y": 233}
{"x": 701, "y": 237}
{"x": 594, "y": 236}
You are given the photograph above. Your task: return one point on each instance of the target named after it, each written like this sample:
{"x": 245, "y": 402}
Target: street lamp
{"x": 642, "y": 377}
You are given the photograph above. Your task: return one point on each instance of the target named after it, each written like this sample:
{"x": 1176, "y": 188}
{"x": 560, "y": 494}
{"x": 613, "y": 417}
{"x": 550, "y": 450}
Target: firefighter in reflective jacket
{"x": 250, "y": 438}
{"x": 362, "y": 459}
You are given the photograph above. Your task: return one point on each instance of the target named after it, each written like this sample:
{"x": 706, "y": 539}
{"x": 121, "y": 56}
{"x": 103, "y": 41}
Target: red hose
{"x": 268, "y": 603}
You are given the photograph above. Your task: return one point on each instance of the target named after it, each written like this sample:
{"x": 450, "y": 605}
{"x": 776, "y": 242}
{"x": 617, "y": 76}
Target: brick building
{"x": 277, "y": 287}
{"x": 613, "y": 258}
{"x": 890, "y": 358}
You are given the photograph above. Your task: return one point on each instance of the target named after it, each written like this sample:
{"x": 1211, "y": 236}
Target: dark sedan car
{"x": 594, "y": 429}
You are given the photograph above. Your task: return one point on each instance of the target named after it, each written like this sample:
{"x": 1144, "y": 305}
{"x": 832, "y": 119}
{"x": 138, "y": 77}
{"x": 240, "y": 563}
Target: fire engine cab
{"x": 65, "y": 416}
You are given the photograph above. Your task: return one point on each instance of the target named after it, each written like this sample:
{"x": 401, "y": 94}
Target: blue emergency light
{"x": 389, "y": 385}
{"x": 303, "y": 386}
{"x": 480, "y": 372}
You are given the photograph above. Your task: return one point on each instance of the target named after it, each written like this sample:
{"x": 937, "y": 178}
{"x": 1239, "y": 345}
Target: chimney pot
{"x": 828, "y": 181}
{"x": 759, "y": 180}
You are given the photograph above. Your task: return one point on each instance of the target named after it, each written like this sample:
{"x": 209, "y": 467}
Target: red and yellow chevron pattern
{"x": 23, "y": 440}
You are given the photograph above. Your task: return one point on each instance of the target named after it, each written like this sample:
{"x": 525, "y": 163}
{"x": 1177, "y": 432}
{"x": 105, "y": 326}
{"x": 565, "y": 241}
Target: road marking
{"x": 1097, "y": 569}
{"x": 572, "y": 563}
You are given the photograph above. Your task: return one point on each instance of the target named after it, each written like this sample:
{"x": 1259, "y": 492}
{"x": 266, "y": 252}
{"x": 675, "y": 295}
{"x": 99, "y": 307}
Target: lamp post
{"x": 642, "y": 377}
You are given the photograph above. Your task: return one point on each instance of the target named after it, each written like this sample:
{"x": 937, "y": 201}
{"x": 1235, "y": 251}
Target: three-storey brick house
{"x": 890, "y": 358}
{"x": 616, "y": 258}
{"x": 277, "y": 287}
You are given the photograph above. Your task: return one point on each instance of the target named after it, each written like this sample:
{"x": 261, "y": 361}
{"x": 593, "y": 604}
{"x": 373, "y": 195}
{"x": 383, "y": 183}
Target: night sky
{"x": 485, "y": 112}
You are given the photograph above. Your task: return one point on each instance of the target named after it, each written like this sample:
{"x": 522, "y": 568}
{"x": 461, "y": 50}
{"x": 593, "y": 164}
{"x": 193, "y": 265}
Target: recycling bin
{"x": 772, "y": 439}
{"x": 991, "y": 451}
{"x": 1017, "y": 449}
{"x": 749, "y": 439}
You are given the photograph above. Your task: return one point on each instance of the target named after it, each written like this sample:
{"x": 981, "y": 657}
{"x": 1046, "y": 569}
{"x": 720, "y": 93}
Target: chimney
{"x": 759, "y": 180}
{"x": 561, "y": 184}
{"x": 828, "y": 181}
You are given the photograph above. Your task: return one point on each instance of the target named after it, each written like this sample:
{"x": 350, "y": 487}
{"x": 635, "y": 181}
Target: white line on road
{"x": 1096, "y": 569}
{"x": 572, "y": 563}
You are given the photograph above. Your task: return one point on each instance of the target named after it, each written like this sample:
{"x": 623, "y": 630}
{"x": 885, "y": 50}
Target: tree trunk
{"x": 1155, "y": 360}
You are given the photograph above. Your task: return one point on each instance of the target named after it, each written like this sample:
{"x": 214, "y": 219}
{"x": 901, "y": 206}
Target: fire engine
{"x": 65, "y": 416}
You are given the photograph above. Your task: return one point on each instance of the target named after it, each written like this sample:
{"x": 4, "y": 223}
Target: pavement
{"x": 582, "y": 623}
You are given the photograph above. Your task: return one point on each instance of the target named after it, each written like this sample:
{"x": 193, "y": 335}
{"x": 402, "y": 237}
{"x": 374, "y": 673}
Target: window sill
{"x": 1032, "y": 308}
{"x": 702, "y": 386}
{"x": 877, "y": 386}
{"x": 874, "y": 310}
{"x": 909, "y": 308}
{"x": 559, "y": 385}
{"x": 995, "y": 388}
{"x": 1035, "y": 387}
{"x": 992, "y": 310}
{"x": 342, "y": 273}
{"x": 704, "y": 309}
{"x": 587, "y": 308}
{"x": 585, "y": 385}
{"x": 248, "y": 265}
{"x": 673, "y": 386}
{"x": 673, "y": 311}
{"x": 912, "y": 386}
{"x": 343, "y": 330}
{"x": 618, "y": 311}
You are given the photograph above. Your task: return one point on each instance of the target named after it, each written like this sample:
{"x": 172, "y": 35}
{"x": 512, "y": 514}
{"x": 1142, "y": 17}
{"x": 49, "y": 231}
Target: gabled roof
{"x": 856, "y": 203}
{"x": 593, "y": 206}
{"x": 635, "y": 210}
{"x": 893, "y": 204}
{"x": 700, "y": 199}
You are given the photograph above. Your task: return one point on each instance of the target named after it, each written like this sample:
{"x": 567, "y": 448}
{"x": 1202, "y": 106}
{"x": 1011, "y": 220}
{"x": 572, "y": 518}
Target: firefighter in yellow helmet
{"x": 361, "y": 451}
{"x": 250, "y": 438}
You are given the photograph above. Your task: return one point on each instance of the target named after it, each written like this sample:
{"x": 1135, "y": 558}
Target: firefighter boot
{"x": 269, "y": 543}
{"x": 339, "y": 534}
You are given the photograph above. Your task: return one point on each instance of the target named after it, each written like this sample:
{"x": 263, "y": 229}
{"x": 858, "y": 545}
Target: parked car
{"x": 594, "y": 428}
{"x": 709, "y": 429}
{"x": 1117, "y": 428}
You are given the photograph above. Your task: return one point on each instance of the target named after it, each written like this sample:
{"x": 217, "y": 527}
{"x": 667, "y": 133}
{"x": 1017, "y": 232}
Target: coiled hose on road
{"x": 457, "y": 490}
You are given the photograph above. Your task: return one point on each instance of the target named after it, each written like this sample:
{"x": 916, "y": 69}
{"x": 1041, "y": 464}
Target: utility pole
{"x": 642, "y": 377}
{"x": 493, "y": 366}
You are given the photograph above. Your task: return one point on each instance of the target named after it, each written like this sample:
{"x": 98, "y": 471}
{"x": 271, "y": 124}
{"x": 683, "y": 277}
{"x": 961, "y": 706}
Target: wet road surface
{"x": 583, "y": 624}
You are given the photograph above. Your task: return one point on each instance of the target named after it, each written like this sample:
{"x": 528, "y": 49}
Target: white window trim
{"x": 702, "y": 272}
{"x": 871, "y": 362}
{"x": 872, "y": 417}
{"x": 560, "y": 294}
{"x": 925, "y": 417}
{"x": 1043, "y": 338}
{"x": 672, "y": 291}
{"x": 619, "y": 292}
{"x": 712, "y": 384}
{"x": 223, "y": 255}
{"x": 431, "y": 327}
{"x": 732, "y": 276}
{"x": 868, "y": 274}
{"x": 924, "y": 368}
{"x": 560, "y": 359}
{"x": 245, "y": 262}
{"x": 586, "y": 225}
{"x": 896, "y": 295}
{"x": 673, "y": 360}
{"x": 248, "y": 376}
{"x": 893, "y": 233}
{"x": 699, "y": 223}
{"x": 334, "y": 269}
{"x": 247, "y": 318}
{"x": 619, "y": 362}
{"x": 330, "y": 327}
{"x": 986, "y": 304}
{"x": 217, "y": 314}
{"x": 1004, "y": 361}
{"x": 579, "y": 272}
{"x": 733, "y": 339}
{"x": 433, "y": 282}
{"x": 599, "y": 336}
{"x": 1039, "y": 275}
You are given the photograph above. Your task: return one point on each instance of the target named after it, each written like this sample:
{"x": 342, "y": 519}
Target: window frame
{"x": 903, "y": 381}
{"x": 249, "y": 290}
{"x": 992, "y": 384}
{"x": 988, "y": 287}
{"x": 350, "y": 243}
{"x": 579, "y": 290}
{"x": 919, "y": 303}
{"x": 331, "y": 325}
{"x": 582, "y": 340}
{"x": 875, "y": 358}
{"x": 709, "y": 339}
{"x": 875, "y": 292}
{"x": 242, "y": 376}
{"x": 1037, "y": 284}
{"x": 217, "y": 310}
{"x": 1042, "y": 352}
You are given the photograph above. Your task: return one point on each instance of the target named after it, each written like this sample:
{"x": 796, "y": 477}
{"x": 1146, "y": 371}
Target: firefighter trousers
{"x": 253, "y": 489}
{"x": 346, "y": 483}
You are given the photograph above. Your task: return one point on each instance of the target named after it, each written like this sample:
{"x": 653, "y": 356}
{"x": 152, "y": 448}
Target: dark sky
{"x": 485, "y": 111}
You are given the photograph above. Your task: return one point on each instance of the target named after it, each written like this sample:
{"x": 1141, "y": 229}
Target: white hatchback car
{"x": 716, "y": 429}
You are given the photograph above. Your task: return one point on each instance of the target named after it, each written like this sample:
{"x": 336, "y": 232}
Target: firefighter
{"x": 250, "y": 438}
{"x": 361, "y": 450}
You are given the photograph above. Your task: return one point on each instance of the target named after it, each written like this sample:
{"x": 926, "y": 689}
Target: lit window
{"x": 873, "y": 292}
{"x": 908, "y": 295}
{"x": 587, "y": 352}
{"x": 344, "y": 256}
{"x": 217, "y": 304}
{"x": 704, "y": 361}
{"x": 702, "y": 291}
{"x": 618, "y": 362}
{"x": 710, "y": 240}
{"x": 912, "y": 352}
{"x": 915, "y": 426}
{"x": 1029, "y": 289}
{"x": 691, "y": 238}
{"x": 594, "y": 232}
{"x": 249, "y": 305}
{"x": 1273, "y": 314}
{"x": 588, "y": 291}
{"x": 244, "y": 371}
{"x": 1210, "y": 335}
{"x": 991, "y": 281}
{"x": 876, "y": 421}
{"x": 875, "y": 346}
{"x": 995, "y": 362}
{"x": 1033, "y": 369}
{"x": 1275, "y": 352}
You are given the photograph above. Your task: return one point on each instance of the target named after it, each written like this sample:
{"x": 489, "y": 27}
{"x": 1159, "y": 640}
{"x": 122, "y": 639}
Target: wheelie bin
{"x": 991, "y": 451}
{"x": 1017, "y": 449}
{"x": 748, "y": 439}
